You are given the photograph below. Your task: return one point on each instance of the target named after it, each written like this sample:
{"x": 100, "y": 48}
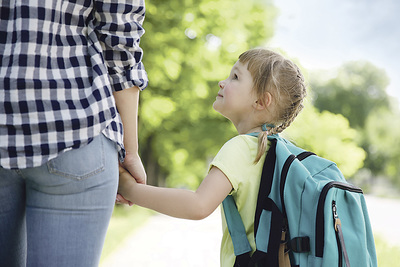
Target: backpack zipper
{"x": 339, "y": 237}
{"x": 336, "y": 222}
{"x": 319, "y": 225}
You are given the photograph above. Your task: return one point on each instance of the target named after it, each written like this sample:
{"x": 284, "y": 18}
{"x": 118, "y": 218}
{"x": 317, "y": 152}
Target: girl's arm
{"x": 180, "y": 203}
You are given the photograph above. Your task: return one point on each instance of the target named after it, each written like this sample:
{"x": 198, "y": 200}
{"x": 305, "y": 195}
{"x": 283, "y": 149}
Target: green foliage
{"x": 382, "y": 137}
{"x": 329, "y": 136}
{"x": 356, "y": 91}
{"x": 387, "y": 254}
{"x": 188, "y": 47}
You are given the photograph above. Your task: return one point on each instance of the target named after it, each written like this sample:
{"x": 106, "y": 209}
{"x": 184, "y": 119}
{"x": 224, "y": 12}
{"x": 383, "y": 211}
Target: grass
{"x": 388, "y": 256}
{"x": 124, "y": 221}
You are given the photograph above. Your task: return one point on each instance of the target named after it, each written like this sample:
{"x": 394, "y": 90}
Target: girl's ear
{"x": 261, "y": 104}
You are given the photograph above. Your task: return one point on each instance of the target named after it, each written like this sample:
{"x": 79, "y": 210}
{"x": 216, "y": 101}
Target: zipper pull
{"x": 335, "y": 216}
{"x": 339, "y": 234}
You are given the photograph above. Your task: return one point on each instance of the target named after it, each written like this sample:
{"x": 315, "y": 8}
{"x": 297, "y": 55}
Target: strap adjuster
{"x": 300, "y": 244}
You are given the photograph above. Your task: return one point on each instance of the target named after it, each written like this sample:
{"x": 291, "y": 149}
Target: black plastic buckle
{"x": 300, "y": 244}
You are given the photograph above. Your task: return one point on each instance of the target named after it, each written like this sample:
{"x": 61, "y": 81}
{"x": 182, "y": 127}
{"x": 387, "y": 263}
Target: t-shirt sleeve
{"x": 232, "y": 159}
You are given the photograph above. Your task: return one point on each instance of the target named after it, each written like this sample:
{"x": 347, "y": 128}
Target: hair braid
{"x": 296, "y": 103}
{"x": 262, "y": 145}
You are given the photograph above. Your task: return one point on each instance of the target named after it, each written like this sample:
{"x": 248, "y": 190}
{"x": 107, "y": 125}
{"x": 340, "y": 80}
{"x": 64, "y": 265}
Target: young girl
{"x": 262, "y": 95}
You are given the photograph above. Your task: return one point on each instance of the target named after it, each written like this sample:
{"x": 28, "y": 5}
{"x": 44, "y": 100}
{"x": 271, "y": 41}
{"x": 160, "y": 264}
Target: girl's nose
{"x": 220, "y": 84}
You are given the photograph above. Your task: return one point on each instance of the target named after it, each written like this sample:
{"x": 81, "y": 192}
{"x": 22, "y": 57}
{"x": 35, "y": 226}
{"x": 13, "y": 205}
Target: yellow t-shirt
{"x": 236, "y": 161}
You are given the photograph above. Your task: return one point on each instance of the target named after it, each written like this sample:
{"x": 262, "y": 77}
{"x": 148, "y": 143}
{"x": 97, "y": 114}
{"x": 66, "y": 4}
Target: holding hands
{"x": 131, "y": 172}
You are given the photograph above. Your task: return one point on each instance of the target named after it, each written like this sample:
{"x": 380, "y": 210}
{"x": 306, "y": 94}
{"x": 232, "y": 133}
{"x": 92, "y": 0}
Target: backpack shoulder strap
{"x": 235, "y": 226}
{"x": 269, "y": 222}
{"x": 265, "y": 182}
{"x": 234, "y": 222}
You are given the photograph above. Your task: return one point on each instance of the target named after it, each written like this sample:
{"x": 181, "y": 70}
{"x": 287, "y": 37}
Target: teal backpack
{"x": 324, "y": 218}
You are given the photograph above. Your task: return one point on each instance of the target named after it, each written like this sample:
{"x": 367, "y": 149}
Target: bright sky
{"x": 323, "y": 34}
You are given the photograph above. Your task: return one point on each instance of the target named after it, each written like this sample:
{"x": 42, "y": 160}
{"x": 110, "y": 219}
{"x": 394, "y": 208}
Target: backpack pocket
{"x": 339, "y": 225}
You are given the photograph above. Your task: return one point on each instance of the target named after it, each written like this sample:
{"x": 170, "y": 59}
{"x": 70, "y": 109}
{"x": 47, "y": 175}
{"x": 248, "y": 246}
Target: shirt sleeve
{"x": 233, "y": 159}
{"x": 119, "y": 29}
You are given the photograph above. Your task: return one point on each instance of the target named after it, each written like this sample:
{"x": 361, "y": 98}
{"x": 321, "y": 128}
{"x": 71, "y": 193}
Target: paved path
{"x": 170, "y": 242}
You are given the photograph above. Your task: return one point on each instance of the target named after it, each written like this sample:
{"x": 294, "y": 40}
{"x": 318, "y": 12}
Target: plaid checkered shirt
{"x": 60, "y": 62}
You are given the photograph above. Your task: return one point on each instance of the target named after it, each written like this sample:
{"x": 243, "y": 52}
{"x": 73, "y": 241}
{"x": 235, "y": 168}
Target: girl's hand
{"x": 126, "y": 181}
{"x": 121, "y": 200}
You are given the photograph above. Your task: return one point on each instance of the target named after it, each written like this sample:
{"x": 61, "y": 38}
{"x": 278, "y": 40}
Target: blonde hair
{"x": 280, "y": 77}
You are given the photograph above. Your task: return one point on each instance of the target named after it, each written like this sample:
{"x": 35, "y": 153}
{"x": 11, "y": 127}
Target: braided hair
{"x": 274, "y": 74}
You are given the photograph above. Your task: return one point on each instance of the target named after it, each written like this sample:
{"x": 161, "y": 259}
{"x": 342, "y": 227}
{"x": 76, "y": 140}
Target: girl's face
{"x": 236, "y": 97}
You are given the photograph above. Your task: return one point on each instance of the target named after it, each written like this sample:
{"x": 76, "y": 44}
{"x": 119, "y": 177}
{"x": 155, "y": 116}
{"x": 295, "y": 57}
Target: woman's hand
{"x": 133, "y": 164}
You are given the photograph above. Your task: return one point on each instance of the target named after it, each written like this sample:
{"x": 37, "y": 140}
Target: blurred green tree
{"x": 358, "y": 89}
{"x": 382, "y": 139}
{"x": 358, "y": 92}
{"x": 188, "y": 47}
{"x": 330, "y": 136}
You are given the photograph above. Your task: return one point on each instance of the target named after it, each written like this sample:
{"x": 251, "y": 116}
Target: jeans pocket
{"x": 81, "y": 163}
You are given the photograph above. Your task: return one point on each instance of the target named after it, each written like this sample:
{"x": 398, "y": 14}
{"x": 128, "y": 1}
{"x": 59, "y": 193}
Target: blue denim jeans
{"x": 57, "y": 214}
